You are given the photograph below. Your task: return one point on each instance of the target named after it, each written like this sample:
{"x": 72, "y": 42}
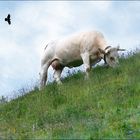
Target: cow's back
{"x": 70, "y": 48}
{"x": 92, "y": 39}
{"x": 75, "y": 44}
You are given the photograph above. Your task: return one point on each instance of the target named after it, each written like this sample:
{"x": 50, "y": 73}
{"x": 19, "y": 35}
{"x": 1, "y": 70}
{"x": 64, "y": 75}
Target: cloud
{"x": 34, "y": 24}
{"x": 23, "y": 42}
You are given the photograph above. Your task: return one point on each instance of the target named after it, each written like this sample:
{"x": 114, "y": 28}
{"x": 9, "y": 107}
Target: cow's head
{"x": 111, "y": 55}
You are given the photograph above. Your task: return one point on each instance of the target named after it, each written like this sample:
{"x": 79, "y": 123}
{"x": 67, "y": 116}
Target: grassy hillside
{"x": 106, "y": 106}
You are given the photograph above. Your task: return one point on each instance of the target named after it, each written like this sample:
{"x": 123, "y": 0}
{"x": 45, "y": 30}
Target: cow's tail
{"x": 44, "y": 72}
{"x": 46, "y": 46}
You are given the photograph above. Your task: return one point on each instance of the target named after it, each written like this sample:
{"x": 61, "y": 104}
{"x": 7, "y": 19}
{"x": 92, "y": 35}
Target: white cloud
{"x": 102, "y": 6}
{"x": 32, "y": 27}
{"x": 34, "y": 24}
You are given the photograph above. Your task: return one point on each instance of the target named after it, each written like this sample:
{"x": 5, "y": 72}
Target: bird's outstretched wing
{"x": 8, "y": 19}
{"x": 8, "y": 16}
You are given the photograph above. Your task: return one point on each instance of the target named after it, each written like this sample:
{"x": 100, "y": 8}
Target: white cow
{"x": 86, "y": 48}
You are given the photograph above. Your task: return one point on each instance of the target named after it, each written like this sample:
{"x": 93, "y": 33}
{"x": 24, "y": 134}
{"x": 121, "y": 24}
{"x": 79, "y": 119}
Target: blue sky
{"x": 34, "y": 23}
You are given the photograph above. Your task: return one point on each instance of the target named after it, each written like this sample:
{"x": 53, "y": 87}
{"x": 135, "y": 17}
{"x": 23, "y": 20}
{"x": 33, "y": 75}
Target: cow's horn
{"x": 107, "y": 47}
{"x": 120, "y": 49}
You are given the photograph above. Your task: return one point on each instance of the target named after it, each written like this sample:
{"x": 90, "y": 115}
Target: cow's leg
{"x": 43, "y": 75}
{"x": 57, "y": 75}
{"x": 86, "y": 61}
{"x": 57, "y": 70}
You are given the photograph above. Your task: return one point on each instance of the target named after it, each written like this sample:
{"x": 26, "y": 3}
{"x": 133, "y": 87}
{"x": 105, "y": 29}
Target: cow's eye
{"x": 112, "y": 58}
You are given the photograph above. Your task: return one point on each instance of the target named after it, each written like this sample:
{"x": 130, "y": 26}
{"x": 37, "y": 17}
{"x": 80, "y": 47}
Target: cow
{"x": 87, "y": 48}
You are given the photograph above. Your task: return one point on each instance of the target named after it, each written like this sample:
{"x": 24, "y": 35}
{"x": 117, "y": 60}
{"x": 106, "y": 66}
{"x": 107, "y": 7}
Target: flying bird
{"x": 8, "y": 19}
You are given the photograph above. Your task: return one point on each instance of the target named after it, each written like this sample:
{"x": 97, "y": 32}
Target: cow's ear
{"x": 118, "y": 48}
{"x": 101, "y": 51}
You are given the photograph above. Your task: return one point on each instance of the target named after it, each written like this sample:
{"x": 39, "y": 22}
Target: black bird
{"x": 8, "y": 19}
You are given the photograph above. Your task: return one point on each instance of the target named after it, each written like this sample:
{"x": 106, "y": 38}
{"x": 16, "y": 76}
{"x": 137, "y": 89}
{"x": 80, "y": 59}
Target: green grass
{"x": 105, "y": 106}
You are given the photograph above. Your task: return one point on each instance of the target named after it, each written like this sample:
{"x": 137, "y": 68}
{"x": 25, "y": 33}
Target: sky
{"x": 35, "y": 23}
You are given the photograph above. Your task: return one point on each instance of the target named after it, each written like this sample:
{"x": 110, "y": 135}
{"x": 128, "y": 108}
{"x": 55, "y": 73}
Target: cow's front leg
{"x": 86, "y": 62}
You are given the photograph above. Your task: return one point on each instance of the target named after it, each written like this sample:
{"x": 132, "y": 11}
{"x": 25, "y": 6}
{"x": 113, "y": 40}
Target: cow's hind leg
{"x": 57, "y": 70}
{"x": 57, "y": 75}
{"x": 86, "y": 62}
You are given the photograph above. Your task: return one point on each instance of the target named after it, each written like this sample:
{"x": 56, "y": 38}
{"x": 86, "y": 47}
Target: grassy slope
{"x": 106, "y": 106}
